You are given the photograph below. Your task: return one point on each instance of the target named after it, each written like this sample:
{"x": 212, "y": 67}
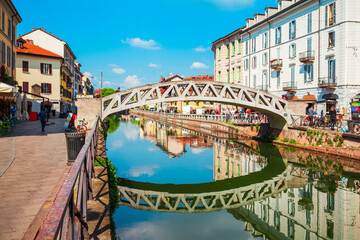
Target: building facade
{"x": 9, "y": 19}
{"x": 299, "y": 48}
{"x": 38, "y": 72}
{"x": 53, "y": 43}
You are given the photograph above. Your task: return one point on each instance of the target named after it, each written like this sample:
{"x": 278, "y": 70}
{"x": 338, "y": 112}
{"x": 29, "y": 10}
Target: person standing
{"x": 311, "y": 115}
{"x": 42, "y": 118}
{"x": 332, "y": 114}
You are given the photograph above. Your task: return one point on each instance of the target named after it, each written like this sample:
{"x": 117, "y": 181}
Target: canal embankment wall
{"x": 327, "y": 142}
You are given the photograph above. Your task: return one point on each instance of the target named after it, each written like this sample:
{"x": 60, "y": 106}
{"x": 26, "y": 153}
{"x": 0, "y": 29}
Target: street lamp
{"x": 101, "y": 104}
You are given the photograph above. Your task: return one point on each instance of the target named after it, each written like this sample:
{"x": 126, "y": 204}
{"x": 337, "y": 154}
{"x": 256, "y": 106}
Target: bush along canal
{"x": 180, "y": 182}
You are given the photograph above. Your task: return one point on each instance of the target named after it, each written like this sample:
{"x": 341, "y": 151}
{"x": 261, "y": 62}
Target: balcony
{"x": 327, "y": 82}
{"x": 276, "y": 64}
{"x": 289, "y": 86}
{"x": 307, "y": 57}
{"x": 264, "y": 88}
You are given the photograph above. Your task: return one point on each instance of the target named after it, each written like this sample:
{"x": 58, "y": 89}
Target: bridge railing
{"x": 67, "y": 218}
{"x": 340, "y": 125}
{"x": 253, "y": 118}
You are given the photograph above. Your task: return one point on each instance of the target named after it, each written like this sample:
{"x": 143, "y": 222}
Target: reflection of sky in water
{"x": 141, "y": 160}
{"x": 136, "y": 224}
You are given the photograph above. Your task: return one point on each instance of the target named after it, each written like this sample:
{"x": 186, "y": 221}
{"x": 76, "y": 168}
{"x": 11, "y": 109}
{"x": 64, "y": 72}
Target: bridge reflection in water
{"x": 276, "y": 200}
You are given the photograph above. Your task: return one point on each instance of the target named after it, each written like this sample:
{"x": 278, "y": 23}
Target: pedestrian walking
{"x": 311, "y": 115}
{"x": 332, "y": 114}
{"x": 42, "y": 117}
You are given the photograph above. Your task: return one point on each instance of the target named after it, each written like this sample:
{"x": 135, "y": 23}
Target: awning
{"x": 330, "y": 96}
{"x": 7, "y": 90}
{"x": 46, "y": 103}
{"x": 309, "y": 98}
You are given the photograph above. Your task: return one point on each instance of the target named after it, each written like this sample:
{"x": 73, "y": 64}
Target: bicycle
{"x": 81, "y": 128}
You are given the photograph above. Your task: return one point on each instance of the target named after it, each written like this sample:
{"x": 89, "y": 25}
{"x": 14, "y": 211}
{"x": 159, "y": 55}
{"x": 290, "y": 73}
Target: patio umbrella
{"x": 7, "y": 90}
{"x": 25, "y": 114}
{"x": 18, "y": 114}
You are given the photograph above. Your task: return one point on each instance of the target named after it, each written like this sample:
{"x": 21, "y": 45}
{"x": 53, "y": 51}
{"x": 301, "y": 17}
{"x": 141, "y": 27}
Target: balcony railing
{"x": 308, "y": 56}
{"x": 289, "y": 86}
{"x": 262, "y": 87}
{"x": 276, "y": 63}
{"x": 327, "y": 82}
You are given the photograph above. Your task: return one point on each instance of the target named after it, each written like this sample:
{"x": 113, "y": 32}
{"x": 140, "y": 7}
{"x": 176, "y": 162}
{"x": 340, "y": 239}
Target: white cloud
{"x": 143, "y": 170}
{"x": 131, "y": 81}
{"x": 201, "y": 49}
{"x": 151, "y": 149}
{"x": 116, "y": 145}
{"x": 108, "y": 83}
{"x": 132, "y": 133}
{"x": 137, "y": 42}
{"x": 199, "y": 65}
{"x": 88, "y": 75}
{"x": 197, "y": 150}
{"x": 153, "y": 65}
{"x": 116, "y": 69}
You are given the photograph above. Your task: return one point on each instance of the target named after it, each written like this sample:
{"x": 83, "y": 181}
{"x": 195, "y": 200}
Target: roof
{"x": 170, "y": 78}
{"x": 15, "y": 10}
{"x": 200, "y": 78}
{"x": 31, "y": 49}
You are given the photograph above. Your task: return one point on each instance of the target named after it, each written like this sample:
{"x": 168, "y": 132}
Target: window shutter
{"x": 50, "y": 69}
{"x": 326, "y": 15}
{"x": 305, "y": 72}
{"x": 42, "y": 88}
{"x": 276, "y": 36}
{"x": 294, "y": 29}
{"x": 290, "y": 30}
{"x": 26, "y": 86}
{"x": 333, "y": 71}
{"x": 311, "y": 72}
{"x": 41, "y": 67}
{"x": 49, "y": 87}
{"x": 289, "y": 51}
{"x": 334, "y": 13}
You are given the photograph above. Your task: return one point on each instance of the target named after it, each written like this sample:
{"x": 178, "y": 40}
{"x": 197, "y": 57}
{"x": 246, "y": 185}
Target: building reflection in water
{"x": 172, "y": 140}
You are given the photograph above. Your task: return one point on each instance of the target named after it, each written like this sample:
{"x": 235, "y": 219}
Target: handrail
{"x": 67, "y": 218}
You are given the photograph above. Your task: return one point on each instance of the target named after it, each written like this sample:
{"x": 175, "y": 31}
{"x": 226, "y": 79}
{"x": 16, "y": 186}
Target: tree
{"x": 107, "y": 91}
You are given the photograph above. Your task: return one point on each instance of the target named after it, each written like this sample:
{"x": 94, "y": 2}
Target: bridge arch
{"x": 218, "y": 92}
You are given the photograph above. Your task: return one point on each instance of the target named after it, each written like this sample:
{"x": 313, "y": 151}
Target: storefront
{"x": 355, "y": 107}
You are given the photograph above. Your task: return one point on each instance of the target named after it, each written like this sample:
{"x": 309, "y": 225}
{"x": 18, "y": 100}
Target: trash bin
{"x": 74, "y": 143}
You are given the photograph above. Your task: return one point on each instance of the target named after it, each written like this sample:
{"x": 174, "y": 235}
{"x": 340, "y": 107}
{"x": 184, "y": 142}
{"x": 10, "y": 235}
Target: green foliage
{"x": 113, "y": 122}
{"x": 187, "y": 102}
{"x": 329, "y": 142}
{"x": 292, "y": 141}
{"x": 197, "y": 103}
{"x": 285, "y": 140}
{"x": 107, "y": 91}
{"x": 257, "y": 127}
{"x": 252, "y": 127}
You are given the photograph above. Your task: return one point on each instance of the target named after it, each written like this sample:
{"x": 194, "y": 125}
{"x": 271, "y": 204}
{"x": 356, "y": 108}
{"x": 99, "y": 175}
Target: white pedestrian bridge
{"x": 275, "y": 108}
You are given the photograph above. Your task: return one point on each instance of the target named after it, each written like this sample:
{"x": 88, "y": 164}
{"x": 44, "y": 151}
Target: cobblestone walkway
{"x": 40, "y": 161}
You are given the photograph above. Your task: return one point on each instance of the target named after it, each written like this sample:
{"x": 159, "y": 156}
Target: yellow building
{"x": 9, "y": 19}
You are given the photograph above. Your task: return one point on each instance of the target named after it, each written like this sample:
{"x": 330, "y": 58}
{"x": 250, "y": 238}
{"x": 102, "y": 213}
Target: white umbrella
{"x": 7, "y": 90}
{"x": 25, "y": 114}
{"x": 18, "y": 106}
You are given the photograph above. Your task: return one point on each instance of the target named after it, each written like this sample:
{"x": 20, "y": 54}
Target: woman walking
{"x": 332, "y": 114}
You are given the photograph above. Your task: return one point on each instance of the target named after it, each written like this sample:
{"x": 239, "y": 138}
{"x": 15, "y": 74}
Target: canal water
{"x": 177, "y": 183}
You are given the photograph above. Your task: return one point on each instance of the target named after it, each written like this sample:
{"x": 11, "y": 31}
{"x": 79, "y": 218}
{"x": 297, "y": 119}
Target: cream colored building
{"x": 38, "y": 72}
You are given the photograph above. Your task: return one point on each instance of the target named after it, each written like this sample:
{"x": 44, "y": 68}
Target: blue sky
{"x": 135, "y": 42}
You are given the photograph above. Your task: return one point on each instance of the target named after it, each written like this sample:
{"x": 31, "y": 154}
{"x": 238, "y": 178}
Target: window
{"x": 264, "y": 81}
{"x": 278, "y": 35}
{"x": 247, "y": 47}
{"x": 292, "y": 51}
{"x": 246, "y": 83}
{"x": 331, "y": 39}
{"x": 45, "y": 68}
{"x": 330, "y": 14}
{"x": 254, "y": 62}
{"x": 291, "y": 208}
{"x": 219, "y": 76}
{"x": 19, "y": 45}
{"x": 309, "y": 44}
{"x": 239, "y": 46}
{"x": 232, "y": 48}
{"x": 9, "y": 28}
{"x": 233, "y": 75}
{"x": 309, "y": 26}
{"x": 278, "y": 78}
{"x": 228, "y": 76}
{"x": 254, "y": 81}
{"x": 45, "y": 88}
{"x": 265, "y": 59}
{"x": 308, "y": 73}
{"x": 227, "y": 51}
{"x": 8, "y": 56}
{"x": 25, "y": 86}
{"x": 332, "y": 68}
{"x": 246, "y": 64}
{"x": 292, "y": 68}
{"x": 292, "y": 30}
{"x": 3, "y": 21}
{"x": 291, "y": 228}
{"x": 219, "y": 51}
{"x": 329, "y": 229}
{"x": 277, "y": 220}
{"x": 239, "y": 71}
{"x": 13, "y": 60}
{"x": 253, "y": 45}
{"x": 25, "y": 66}
{"x": 308, "y": 217}
{"x": 265, "y": 40}
{"x": 3, "y": 57}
